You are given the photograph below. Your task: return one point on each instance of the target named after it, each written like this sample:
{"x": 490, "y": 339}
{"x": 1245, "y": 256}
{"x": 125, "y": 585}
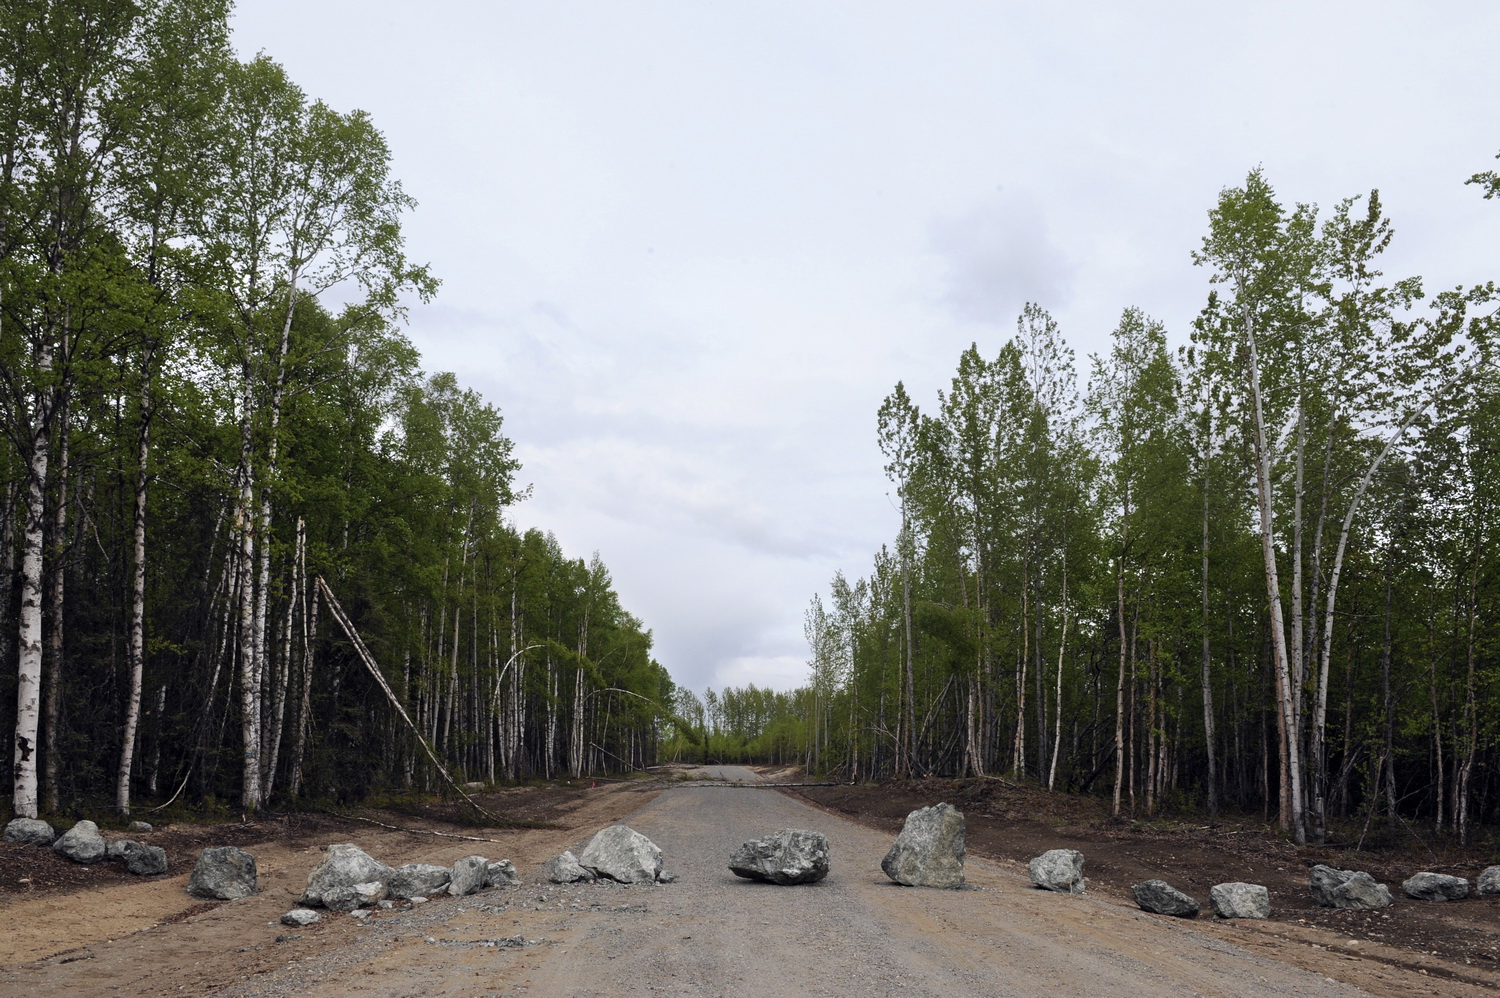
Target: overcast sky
{"x": 688, "y": 247}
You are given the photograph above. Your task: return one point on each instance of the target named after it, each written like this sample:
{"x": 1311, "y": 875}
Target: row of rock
{"x": 350, "y": 878}
{"x": 1062, "y": 870}
{"x": 84, "y": 843}
{"x": 929, "y": 852}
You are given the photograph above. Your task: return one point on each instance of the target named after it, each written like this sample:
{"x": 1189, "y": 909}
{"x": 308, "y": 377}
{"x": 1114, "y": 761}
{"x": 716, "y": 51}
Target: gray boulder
{"x": 623, "y": 854}
{"x": 300, "y": 917}
{"x": 354, "y": 896}
{"x": 417, "y": 880}
{"x": 344, "y": 866}
{"x": 140, "y": 859}
{"x": 1435, "y": 887}
{"x": 1347, "y": 889}
{"x": 116, "y": 849}
{"x": 30, "y": 831}
{"x": 1162, "y": 898}
{"x": 502, "y": 873}
{"x": 1488, "y": 883}
{"x": 1058, "y": 870}
{"x": 929, "y": 852}
{"x": 790, "y": 856}
{"x": 82, "y": 843}
{"x": 140, "y": 826}
{"x": 1240, "y": 900}
{"x": 564, "y": 869}
{"x": 224, "y": 873}
{"x": 468, "y": 875}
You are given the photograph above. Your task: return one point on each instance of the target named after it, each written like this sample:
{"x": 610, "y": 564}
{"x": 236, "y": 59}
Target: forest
{"x": 253, "y": 554}
{"x": 1259, "y": 571}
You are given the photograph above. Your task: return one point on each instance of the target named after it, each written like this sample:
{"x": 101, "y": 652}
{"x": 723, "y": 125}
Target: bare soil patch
{"x": 1010, "y": 824}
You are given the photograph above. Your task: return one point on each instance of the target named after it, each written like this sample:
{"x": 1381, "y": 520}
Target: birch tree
{"x": 302, "y": 203}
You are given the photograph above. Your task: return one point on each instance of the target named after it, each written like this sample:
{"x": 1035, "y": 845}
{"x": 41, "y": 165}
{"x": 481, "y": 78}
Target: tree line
{"x": 1259, "y": 571}
{"x": 217, "y": 439}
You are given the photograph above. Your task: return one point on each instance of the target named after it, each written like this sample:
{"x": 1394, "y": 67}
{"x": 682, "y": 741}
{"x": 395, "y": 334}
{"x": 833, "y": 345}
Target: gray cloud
{"x": 1000, "y": 255}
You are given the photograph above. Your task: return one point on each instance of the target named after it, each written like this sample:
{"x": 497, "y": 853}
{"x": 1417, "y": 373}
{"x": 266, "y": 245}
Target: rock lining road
{"x": 710, "y": 934}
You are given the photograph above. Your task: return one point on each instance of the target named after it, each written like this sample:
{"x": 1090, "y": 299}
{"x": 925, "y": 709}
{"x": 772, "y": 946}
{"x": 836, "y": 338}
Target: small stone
{"x": 929, "y": 852}
{"x": 1162, "y": 898}
{"x": 224, "y": 873}
{"x": 30, "y": 831}
{"x": 360, "y": 913}
{"x": 417, "y": 899}
{"x": 1435, "y": 887}
{"x": 82, "y": 843}
{"x": 1059, "y": 870}
{"x": 300, "y": 917}
{"x": 1240, "y": 900}
{"x": 666, "y": 878}
{"x": 141, "y": 826}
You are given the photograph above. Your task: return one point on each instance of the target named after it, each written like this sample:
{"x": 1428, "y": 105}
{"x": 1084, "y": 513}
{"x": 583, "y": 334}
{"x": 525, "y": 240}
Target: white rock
{"x": 1059, "y": 870}
{"x": 929, "y": 852}
{"x": 623, "y": 854}
{"x": 1240, "y": 900}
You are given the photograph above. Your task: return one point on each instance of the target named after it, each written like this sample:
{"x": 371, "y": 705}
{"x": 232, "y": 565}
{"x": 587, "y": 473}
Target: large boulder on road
{"x": 1347, "y": 889}
{"x": 1059, "y": 870}
{"x": 344, "y": 866}
{"x": 929, "y": 852}
{"x": 82, "y": 843}
{"x": 621, "y": 853}
{"x": 790, "y": 856}
{"x": 1162, "y": 898}
{"x": 564, "y": 869}
{"x": 1435, "y": 887}
{"x": 224, "y": 873}
{"x": 417, "y": 880}
{"x": 1240, "y": 900}
{"x": 30, "y": 831}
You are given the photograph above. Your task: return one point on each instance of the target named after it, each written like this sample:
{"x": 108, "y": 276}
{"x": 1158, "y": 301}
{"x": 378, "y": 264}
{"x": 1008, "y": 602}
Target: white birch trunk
{"x": 136, "y": 654}
{"x": 245, "y": 517}
{"x": 1291, "y": 764}
{"x": 54, "y": 673}
{"x": 29, "y": 641}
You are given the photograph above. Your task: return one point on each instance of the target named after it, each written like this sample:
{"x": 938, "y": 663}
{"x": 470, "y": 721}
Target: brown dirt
{"x": 1010, "y": 823}
{"x": 98, "y": 930}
